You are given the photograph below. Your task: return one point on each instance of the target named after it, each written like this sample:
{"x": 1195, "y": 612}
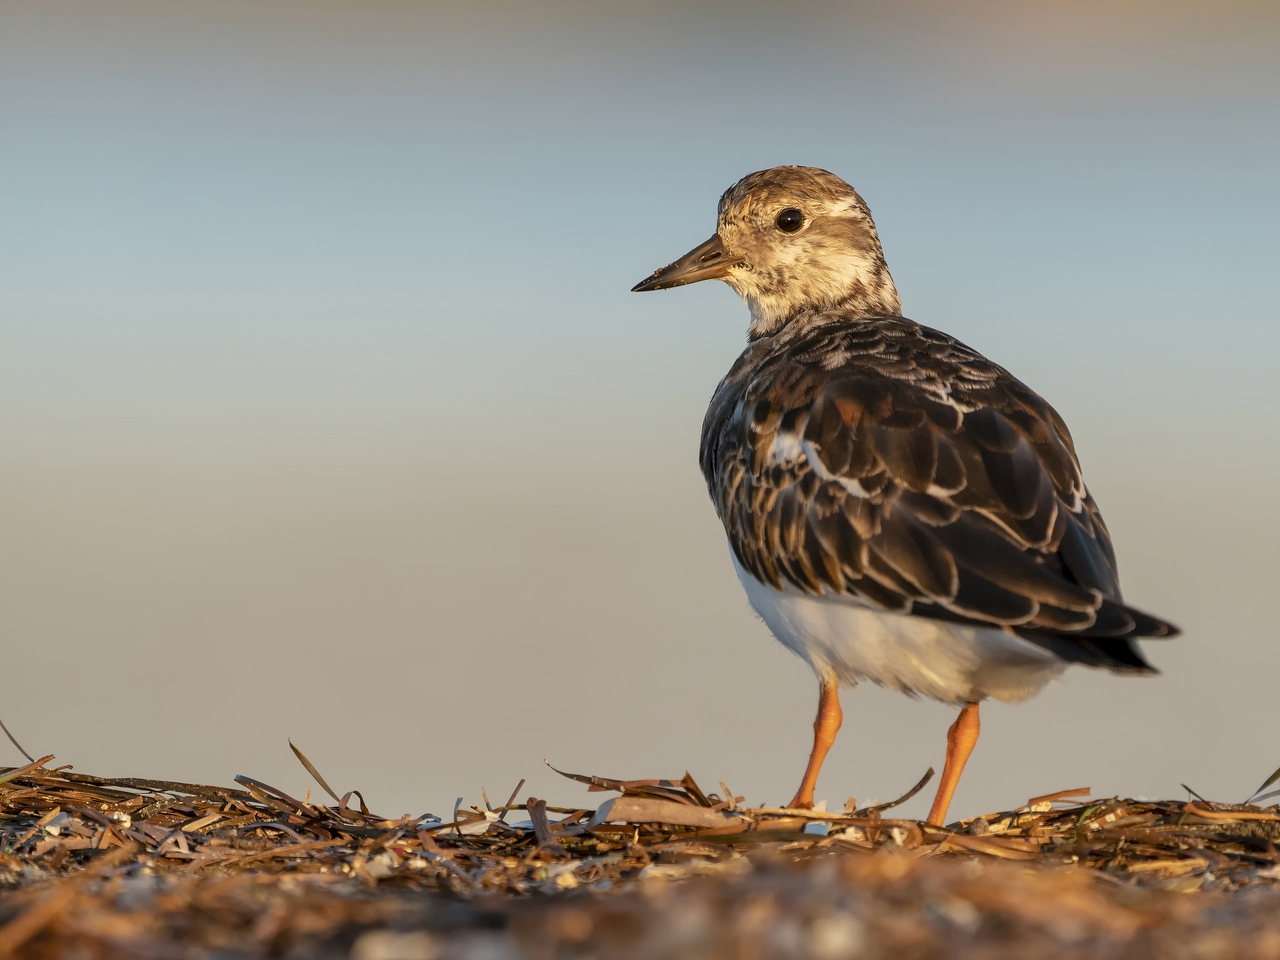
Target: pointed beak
{"x": 707, "y": 261}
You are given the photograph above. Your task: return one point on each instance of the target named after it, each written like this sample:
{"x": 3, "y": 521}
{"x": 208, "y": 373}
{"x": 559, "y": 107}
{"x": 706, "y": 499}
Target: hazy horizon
{"x": 328, "y": 413}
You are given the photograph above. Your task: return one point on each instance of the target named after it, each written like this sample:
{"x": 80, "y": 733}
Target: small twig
{"x": 542, "y": 827}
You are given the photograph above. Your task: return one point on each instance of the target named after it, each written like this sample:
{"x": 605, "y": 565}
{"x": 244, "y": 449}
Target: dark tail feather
{"x": 1151, "y": 628}
{"x": 1118, "y": 656}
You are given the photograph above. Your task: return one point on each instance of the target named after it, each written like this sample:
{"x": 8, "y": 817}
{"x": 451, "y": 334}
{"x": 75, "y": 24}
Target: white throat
{"x": 859, "y": 287}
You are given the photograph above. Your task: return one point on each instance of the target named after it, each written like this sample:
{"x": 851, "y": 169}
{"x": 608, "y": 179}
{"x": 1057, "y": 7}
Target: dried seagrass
{"x": 69, "y": 838}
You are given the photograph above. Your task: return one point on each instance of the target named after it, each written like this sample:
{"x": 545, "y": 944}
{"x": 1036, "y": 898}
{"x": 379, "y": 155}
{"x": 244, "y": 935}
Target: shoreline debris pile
{"x": 142, "y": 854}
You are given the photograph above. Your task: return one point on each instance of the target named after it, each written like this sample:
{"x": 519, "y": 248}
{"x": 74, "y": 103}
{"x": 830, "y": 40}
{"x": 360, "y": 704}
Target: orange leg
{"x": 825, "y": 728}
{"x": 961, "y": 739}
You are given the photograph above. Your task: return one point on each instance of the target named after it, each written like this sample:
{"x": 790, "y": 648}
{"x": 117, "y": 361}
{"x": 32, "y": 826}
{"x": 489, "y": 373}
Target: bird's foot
{"x": 799, "y": 802}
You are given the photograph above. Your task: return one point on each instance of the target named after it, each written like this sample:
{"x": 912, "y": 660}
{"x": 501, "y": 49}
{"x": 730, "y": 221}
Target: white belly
{"x": 951, "y": 662}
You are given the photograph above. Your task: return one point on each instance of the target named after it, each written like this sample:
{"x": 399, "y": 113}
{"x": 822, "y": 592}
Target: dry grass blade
{"x": 694, "y": 791}
{"x": 346, "y": 799}
{"x": 164, "y": 786}
{"x": 1193, "y": 793}
{"x": 274, "y": 792}
{"x": 596, "y": 783}
{"x": 990, "y": 847}
{"x": 901, "y": 800}
{"x": 302, "y": 758}
{"x": 1210, "y": 814}
{"x": 24, "y": 770}
{"x": 1060, "y": 795}
{"x": 1266, "y": 783}
{"x": 14, "y": 741}
{"x": 289, "y": 850}
{"x": 677, "y": 790}
{"x": 512, "y": 799}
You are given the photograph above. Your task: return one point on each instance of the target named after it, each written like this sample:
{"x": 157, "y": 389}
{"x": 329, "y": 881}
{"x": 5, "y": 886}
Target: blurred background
{"x": 326, "y": 412}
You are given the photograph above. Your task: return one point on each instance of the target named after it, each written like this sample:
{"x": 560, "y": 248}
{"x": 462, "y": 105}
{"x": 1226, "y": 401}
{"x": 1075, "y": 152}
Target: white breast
{"x": 951, "y": 662}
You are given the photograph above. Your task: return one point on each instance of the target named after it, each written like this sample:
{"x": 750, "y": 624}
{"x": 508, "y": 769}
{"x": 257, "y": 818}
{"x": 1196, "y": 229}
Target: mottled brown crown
{"x": 790, "y": 183}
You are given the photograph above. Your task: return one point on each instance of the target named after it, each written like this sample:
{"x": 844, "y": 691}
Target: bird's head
{"x": 790, "y": 239}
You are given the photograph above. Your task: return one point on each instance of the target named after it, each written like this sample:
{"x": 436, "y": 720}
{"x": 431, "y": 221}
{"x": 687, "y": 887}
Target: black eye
{"x": 790, "y": 220}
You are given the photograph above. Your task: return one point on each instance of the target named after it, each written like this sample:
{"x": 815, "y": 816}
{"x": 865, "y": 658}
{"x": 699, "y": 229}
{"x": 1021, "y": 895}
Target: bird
{"x": 898, "y": 507}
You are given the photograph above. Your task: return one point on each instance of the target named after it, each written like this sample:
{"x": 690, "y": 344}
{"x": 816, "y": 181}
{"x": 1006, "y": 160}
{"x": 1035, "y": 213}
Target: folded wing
{"x": 914, "y": 475}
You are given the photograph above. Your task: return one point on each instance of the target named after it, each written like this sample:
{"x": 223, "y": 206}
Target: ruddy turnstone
{"x": 898, "y": 507}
